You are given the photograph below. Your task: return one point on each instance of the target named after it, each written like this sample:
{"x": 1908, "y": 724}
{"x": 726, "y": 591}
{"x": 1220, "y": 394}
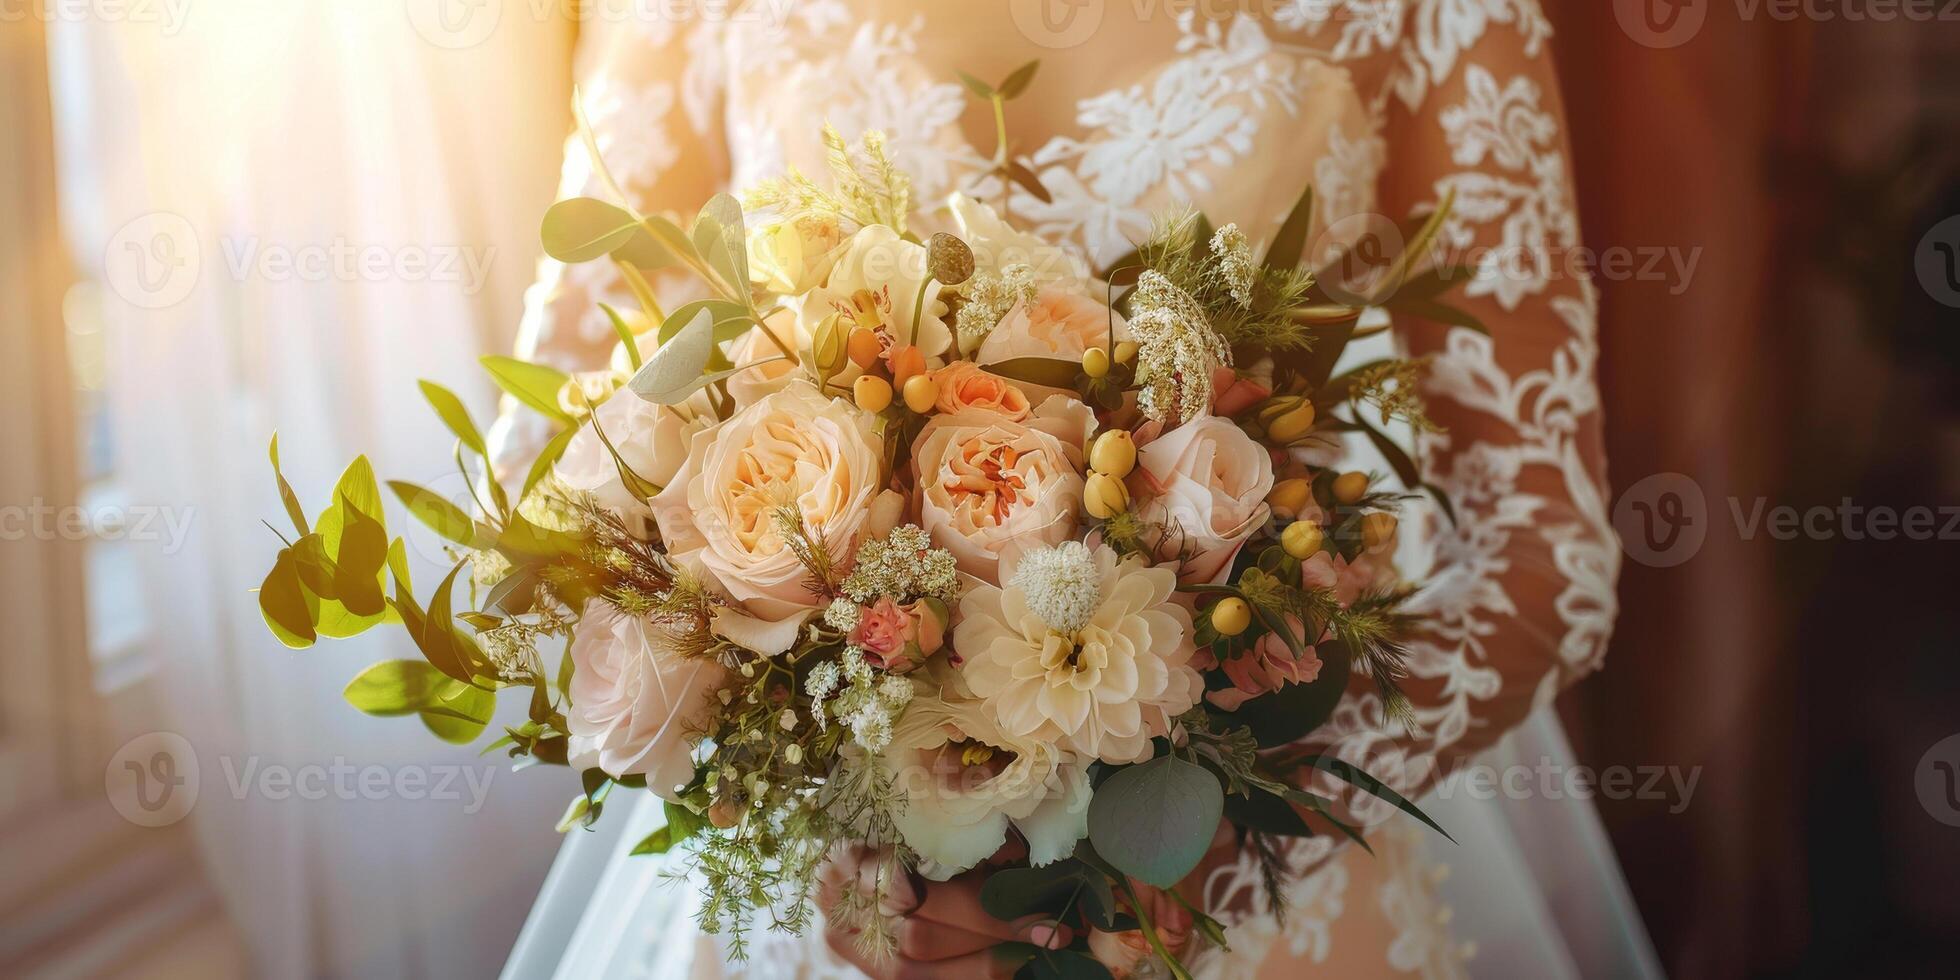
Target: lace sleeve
{"x": 652, "y": 91}
{"x": 1520, "y": 595}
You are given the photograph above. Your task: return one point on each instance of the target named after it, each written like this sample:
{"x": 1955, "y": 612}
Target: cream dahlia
{"x": 1083, "y": 649}
{"x": 965, "y": 780}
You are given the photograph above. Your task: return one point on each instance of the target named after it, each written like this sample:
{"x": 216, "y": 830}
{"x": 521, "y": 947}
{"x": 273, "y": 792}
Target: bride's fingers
{"x": 957, "y": 903}
{"x": 924, "y": 939}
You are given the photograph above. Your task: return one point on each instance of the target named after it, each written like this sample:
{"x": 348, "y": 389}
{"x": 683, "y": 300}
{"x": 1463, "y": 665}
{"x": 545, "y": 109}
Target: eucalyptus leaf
{"x": 395, "y": 687}
{"x": 439, "y": 641}
{"x": 288, "y": 609}
{"x": 730, "y": 256}
{"x": 1155, "y": 821}
{"x": 674, "y": 371}
{"x": 1011, "y": 893}
{"x": 731, "y": 319}
{"x": 358, "y": 564}
{"x": 463, "y": 712}
{"x": 581, "y": 229}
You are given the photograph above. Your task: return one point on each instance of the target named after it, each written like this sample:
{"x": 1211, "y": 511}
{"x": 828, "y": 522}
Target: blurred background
{"x": 225, "y": 217}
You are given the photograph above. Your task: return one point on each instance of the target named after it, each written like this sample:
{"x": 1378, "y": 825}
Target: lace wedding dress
{"x": 1385, "y": 106}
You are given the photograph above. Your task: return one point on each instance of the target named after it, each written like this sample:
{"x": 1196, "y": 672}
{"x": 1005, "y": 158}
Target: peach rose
{"x": 989, "y": 485}
{"x": 962, "y": 385}
{"x": 651, "y": 439}
{"x": 1060, "y": 323}
{"x": 718, "y": 515}
{"x": 1209, "y": 480}
{"x": 1268, "y": 666}
{"x": 636, "y": 702}
{"x": 898, "y": 637}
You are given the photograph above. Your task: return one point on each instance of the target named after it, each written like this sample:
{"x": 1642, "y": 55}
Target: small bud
{"x": 863, "y": 348}
{"x": 574, "y": 813}
{"x": 1095, "y": 362}
{"x": 950, "y": 260}
{"x": 724, "y": 814}
{"x": 585, "y": 391}
{"x": 1350, "y": 487}
{"x": 1301, "y": 539}
{"x": 793, "y": 753}
{"x": 921, "y": 393}
{"x": 1289, "y": 497}
{"x": 907, "y": 361}
{"x": 1126, "y": 351}
{"x": 1231, "y": 616}
{"x": 872, "y": 393}
{"x": 1377, "y": 529}
{"x": 1104, "y": 496}
{"x": 827, "y": 346}
{"x": 1114, "y": 453}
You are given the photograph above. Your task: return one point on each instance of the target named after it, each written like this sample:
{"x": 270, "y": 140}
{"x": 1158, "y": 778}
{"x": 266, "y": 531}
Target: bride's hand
{"x": 941, "y": 929}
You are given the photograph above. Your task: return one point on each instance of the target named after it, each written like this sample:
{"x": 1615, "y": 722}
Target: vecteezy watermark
{"x": 39, "y": 520}
{"x": 1937, "y": 262}
{"x": 339, "y": 260}
{"x": 1936, "y": 780}
{"x": 1672, "y": 23}
{"x": 1664, "y": 519}
{"x": 153, "y": 261}
{"x": 167, "y": 14}
{"x": 1552, "y": 780}
{"x": 155, "y": 779}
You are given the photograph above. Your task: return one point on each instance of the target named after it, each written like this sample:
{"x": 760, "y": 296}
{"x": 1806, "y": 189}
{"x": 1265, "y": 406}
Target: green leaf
{"x": 1266, "y": 813}
{"x": 1293, "y": 711}
{"x": 1291, "y": 239}
{"x": 1353, "y": 775}
{"x": 1329, "y": 340}
{"x": 728, "y": 252}
{"x": 454, "y": 415}
{"x": 1066, "y": 964}
{"x": 1019, "y": 173}
{"x": 1047, "y": 371}
{"x": 462, "y": 713}
{"x": 981, "y": 90}
{"x": 395, "y": 687}
{"x": 581, "y": 229}
{"x": 535, "y": 385}
{"x": 358, "y": 564}
{"x": 1437, "y": 312}
{"x": 1405, "y": 468}
{"x": 437, "y": 512}
{"x": 626, "y": 336}
{"x": 1017, "y": 81}
{"x": 731, "y": 320}
{"x": 286, "y": 495}
{"x": 288, "y": 609}
{"x": 675, "y": 370}
{"x": 440, "y": 643}
{"x": 1011, "y": 893}
{"x": 1155, "y": 821}
{"x": 682, "y": 823}
{"x": 547, "y": 457}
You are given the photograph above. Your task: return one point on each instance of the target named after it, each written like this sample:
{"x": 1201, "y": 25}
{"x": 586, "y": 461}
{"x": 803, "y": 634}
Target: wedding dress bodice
{"x": 1385, "y": 107}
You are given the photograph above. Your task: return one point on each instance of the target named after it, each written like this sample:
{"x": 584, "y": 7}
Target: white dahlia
{"x": 965, "y": 780}
{"x": 1102, "y": 681}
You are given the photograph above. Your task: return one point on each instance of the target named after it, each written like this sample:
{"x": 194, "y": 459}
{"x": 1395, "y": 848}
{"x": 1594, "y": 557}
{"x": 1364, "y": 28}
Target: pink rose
{"x": 1208, "y": 479}
{"x": 1327, "y": 570}
{"x": 651, "y": 440}
{"x": 636, "y": 701}
{"x": 899, "y": 637}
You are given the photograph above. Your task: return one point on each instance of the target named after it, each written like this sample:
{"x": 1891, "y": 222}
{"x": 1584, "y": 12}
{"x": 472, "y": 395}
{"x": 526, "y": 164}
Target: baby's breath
{"x": 990, "y": 296}
{"x": 903, "y": 565}
{"x": 1176, "y": 349}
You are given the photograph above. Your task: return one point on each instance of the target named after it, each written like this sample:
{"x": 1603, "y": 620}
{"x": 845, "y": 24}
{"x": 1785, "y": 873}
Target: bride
{"x": 1385, "y": 107}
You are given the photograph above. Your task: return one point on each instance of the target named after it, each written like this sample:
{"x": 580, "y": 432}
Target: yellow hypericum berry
{"x": 1292, "y": 423}
{"x": 1377, "y": 529}
{"x": 863, "y": 348}
{"x": 921, "y": 393}
{"x": 1350, "y": 487}
{"x": 1231, "y": 616}
{"x": 1301, "y": 539}
{"x": 1126, "y": 351}
{"x": 873, "y": 393}
{"x": 1289, "y": 497}
{"x": 1104, "y": 496}
{"x": 1114, "y": 453}
{"x": 1095, "y": 362}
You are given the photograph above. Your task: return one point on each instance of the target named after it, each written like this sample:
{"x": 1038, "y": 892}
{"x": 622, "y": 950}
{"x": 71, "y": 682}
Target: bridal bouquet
{"x": 938, "y": 542}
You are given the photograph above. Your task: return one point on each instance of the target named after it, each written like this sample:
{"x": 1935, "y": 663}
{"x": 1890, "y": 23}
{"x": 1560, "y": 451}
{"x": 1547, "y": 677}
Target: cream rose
{"x": 772, "y": 371}
{"x": 1060, "y": 323}
{"x": 651, "y": 439}
{"x": 794, "y": 256}
{"x": 1208, "y": 479}
{"x": 989, "y": 486}
{"x": 637, "y": 704}
{"x": 997, "y": 245}
{"x": 718, "y": 515}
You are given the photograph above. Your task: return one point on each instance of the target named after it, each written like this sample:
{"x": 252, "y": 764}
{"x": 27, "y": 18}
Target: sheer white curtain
{"x": 403, "y": 178}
